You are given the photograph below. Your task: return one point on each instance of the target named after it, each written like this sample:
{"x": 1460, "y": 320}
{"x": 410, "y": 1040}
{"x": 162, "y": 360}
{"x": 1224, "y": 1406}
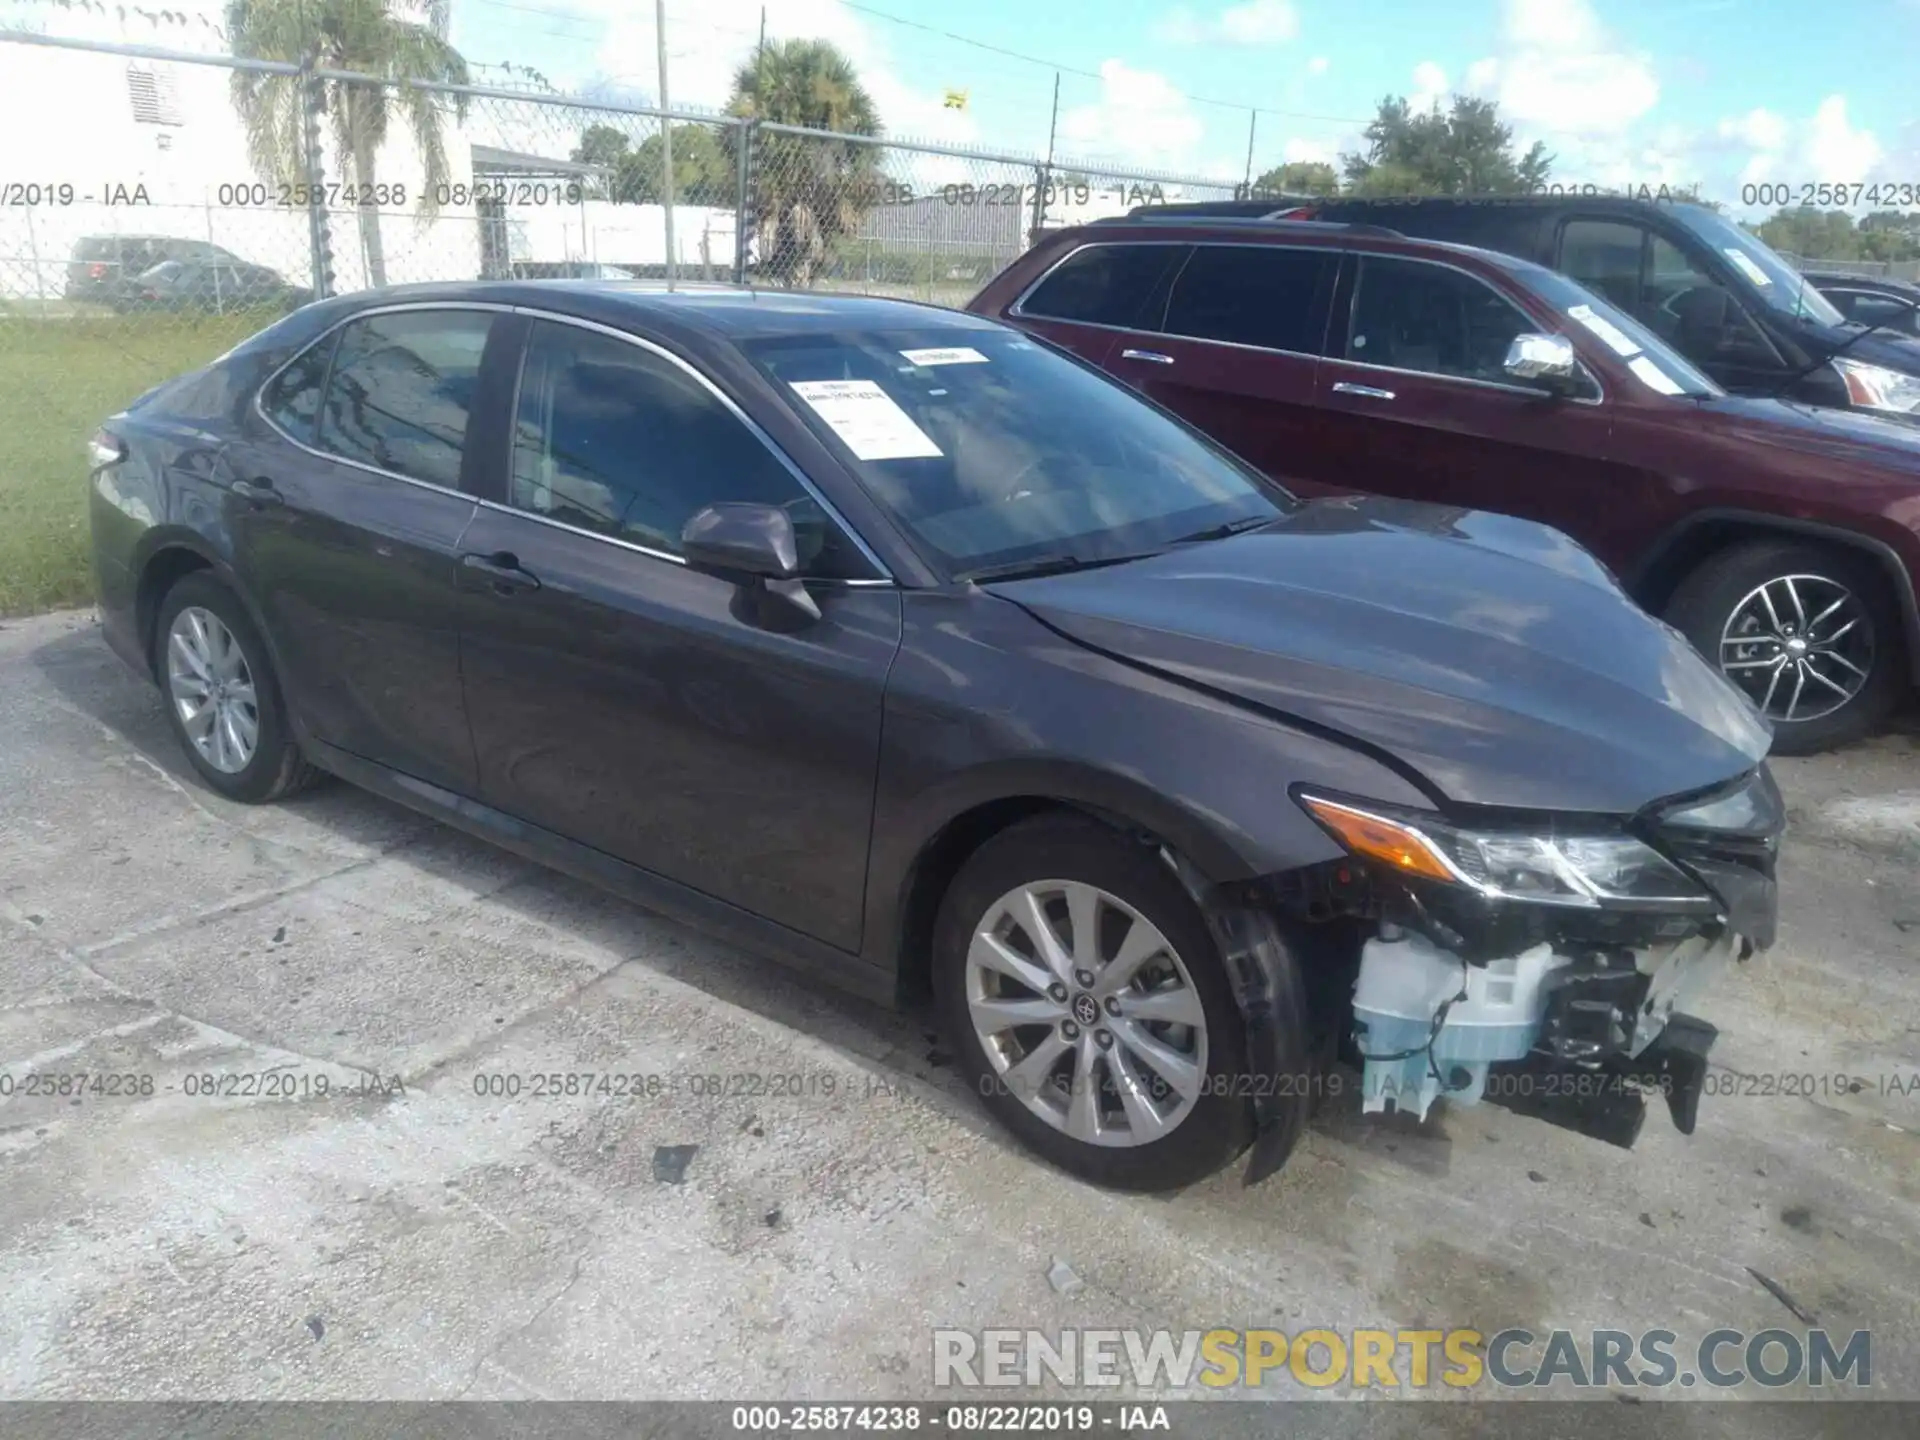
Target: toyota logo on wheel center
{"x": 1086, "y": 1009}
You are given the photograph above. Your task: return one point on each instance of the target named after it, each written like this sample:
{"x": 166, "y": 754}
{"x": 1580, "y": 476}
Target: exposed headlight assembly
{"x": 1580, "y": 870}
{"x": 1874, "y": 387}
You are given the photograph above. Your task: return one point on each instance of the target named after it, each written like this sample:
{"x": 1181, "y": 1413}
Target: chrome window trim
{"x": 886, "y": 579}
{"x": 1481, "y": 280}
{"x": 1016, "y": 309}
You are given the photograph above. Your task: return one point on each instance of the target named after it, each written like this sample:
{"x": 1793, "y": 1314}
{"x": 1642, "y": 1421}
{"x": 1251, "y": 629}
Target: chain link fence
{"x": 1886, "y": 269}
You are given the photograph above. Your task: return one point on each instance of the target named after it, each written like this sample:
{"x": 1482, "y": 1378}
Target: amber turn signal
{"x": 1376, "y": 838}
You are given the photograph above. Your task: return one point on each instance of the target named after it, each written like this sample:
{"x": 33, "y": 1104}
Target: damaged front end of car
{"x": 1541, "y": 962}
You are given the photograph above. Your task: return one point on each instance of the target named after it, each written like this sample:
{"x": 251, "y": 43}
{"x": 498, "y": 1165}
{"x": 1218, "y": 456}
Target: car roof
{"x": 1191, "y": 228}
{"x": 722, "y": 311}
{"x": 1892, "y": 283}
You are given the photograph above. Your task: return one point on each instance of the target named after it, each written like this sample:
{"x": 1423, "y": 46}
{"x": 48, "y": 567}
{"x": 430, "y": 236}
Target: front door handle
{"x": 1151, "y": 355}
{"x": 1345, "y": 387}
{"x": 500, "y": 572}
{"x": 258, "y": 493}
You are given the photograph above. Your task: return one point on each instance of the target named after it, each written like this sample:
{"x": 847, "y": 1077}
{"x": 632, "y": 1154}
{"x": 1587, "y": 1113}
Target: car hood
{"x": 1887, "y": 444}
{"x": 1492, "y": 655}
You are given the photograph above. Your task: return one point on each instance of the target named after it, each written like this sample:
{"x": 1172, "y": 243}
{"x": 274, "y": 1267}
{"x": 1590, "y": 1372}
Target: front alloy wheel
{"x": 1086, "y": 1001}
{"x": 1800, "y": 645}
{"x": 1087, "y": 1013}
{"x": 1808, "y": 631}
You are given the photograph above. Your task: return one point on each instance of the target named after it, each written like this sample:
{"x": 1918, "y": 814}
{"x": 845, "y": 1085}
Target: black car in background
{"x": 889, "y": 641}
{"x": 1710, "y": 289}
{"x": 209, "y": 285}
{"x": 1872, "y": 299}
{"x": 102, "y": 265}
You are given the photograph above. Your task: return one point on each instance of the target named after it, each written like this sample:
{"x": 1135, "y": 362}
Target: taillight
{"x": 96, "y": 270}
{"x": 104, "y": 449}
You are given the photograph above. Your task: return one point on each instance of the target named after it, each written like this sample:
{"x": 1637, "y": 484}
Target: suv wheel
{"x": 223, "y": 701}
{"x": 1083, "y": 993}
{"x": 1809, "y": 633}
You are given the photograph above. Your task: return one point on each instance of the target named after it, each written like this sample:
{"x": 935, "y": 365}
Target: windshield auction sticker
{"x": 953, "y": 355}
{"x": 866, "y": 418}
{"x": 1744, "y": 264}
{"x": 1653, "y": 376}
{"x": 1617, "y": 339}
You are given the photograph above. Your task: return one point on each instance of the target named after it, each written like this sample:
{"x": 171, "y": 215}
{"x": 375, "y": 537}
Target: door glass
{"x": 1697, "y": 315}
{"x": 292, "y": 400}
{"x": 401, "y": 391}
{"x": 1604, "y": 256}
{"x": 610, "y": 437}
{"x": 1414, "y": 316}
{"x": 1102, "y": 284}
{"x": 1654, "y": 281}
{"x": 1883, "y": 310}
{"x": 1250, "y": 295}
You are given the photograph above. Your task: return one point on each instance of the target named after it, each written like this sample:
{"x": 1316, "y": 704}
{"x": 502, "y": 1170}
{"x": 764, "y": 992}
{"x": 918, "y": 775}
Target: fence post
{"x": 742, "y": 202}
{"x": 1043, "y": 181}
{"x": 33, "y": 258}
{"x": 318, "y": 238}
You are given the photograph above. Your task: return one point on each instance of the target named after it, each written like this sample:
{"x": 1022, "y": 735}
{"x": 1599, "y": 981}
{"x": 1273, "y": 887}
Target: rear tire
{"x": 222, "y": 697}
{"x": 1112, "y": 1032}
{"x": 1729, "y": 606}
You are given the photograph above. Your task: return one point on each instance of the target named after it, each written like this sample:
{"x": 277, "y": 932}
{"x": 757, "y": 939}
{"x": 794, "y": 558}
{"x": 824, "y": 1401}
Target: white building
{"x": 101, "y": 143}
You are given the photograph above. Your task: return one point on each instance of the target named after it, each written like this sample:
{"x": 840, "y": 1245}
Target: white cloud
{"x": 1254, "y": 22}
{"x": 706, "y": 47}
{"x": 1141, "y": 118}
{"x": 1559, "y": 71}
{"x": 1429, "y": 87}
{"x": 1835, "y": 150}
{"x": 1765, "y": 145}
{"x": 1260, "y": 22}
{"x": 1317, "y": 65}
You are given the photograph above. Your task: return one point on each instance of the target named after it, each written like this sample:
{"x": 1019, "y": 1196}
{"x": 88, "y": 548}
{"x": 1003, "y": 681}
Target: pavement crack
{"x": 487, "y": 1356}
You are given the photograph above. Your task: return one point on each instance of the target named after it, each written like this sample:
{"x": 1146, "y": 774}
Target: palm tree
{"x": 356, "y": 35}
{"x": 807, "y": 191}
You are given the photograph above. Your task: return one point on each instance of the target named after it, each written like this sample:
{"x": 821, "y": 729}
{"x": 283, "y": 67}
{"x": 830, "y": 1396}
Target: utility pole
{"x": 1046, "y": 171}
{"x": 1253, "y": 119}
{"x": 666, "y": 130}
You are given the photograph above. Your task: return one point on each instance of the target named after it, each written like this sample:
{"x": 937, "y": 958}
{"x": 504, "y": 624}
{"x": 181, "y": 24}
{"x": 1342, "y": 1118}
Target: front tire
{"x": 1808, "y": 632}
{"x": 222, "y": 697}
{"x": 1085, "y": 998}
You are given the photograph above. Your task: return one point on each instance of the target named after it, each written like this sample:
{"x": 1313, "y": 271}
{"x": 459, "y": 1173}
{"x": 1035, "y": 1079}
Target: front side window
{"x": 1251, "y": 295}
{"x": 292, "y": 398}
{"x": 1102, "y": 284}
{"x": 1657, "y": 283}
{"x": 612, "y": 438}
{"x": 993, "y": 450}
{"x": 1412, "y": 316}
{"x": 402, "y": 389}
{"x": 1886, "y": 311}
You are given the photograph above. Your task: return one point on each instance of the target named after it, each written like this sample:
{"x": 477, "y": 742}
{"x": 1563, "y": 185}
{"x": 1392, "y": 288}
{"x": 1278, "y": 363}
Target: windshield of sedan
{"x": 995, "y": 451}
{"x": 1654, "y": 363}
{"x": 1776, "y": 283}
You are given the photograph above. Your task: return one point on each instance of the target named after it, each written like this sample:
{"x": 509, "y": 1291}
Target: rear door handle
{"x": 258, "y": 493}
{"x": 499, "y": 572}
{"x": 1344, "y": 387}
{"x": 1153, "y": 355}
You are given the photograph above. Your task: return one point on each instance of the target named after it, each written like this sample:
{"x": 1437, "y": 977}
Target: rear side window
{"x": 402, "y": 389}
{"x": 1102, "y": 284}
{"x": 292, "y": 398}
{"x": 1252, "y": 295}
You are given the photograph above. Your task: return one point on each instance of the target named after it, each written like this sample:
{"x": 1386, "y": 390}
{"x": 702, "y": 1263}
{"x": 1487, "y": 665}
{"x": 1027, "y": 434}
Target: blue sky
{"x": 1718, "y": 92}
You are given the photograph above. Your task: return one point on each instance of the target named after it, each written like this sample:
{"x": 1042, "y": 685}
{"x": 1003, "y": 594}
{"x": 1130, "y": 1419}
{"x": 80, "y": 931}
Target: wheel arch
{"x": 903, "y": 905}
{"x": 1658, "y": 572}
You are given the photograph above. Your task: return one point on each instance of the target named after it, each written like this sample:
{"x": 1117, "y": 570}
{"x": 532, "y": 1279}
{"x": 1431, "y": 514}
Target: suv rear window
{"x": 1102, "y": 284}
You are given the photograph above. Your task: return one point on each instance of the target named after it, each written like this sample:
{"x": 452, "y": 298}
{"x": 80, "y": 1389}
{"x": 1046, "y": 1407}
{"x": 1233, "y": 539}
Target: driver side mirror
{"x": 1544, "y": 362}
{"x": 754, "y": 546}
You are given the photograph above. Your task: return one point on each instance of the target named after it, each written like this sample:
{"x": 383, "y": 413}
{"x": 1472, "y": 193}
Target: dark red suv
{"x": 1782, "y": 539}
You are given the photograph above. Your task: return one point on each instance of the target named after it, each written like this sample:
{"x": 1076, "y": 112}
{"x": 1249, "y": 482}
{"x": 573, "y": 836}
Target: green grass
{"x": 60, "y": 376}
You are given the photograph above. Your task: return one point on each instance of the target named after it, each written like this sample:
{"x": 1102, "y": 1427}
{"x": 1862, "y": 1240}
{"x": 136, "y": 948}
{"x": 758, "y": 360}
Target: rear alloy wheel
{"x": 223, "y": 701}
{"x": 1807, "y": 633}
{"x": 1083, "y": 991}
